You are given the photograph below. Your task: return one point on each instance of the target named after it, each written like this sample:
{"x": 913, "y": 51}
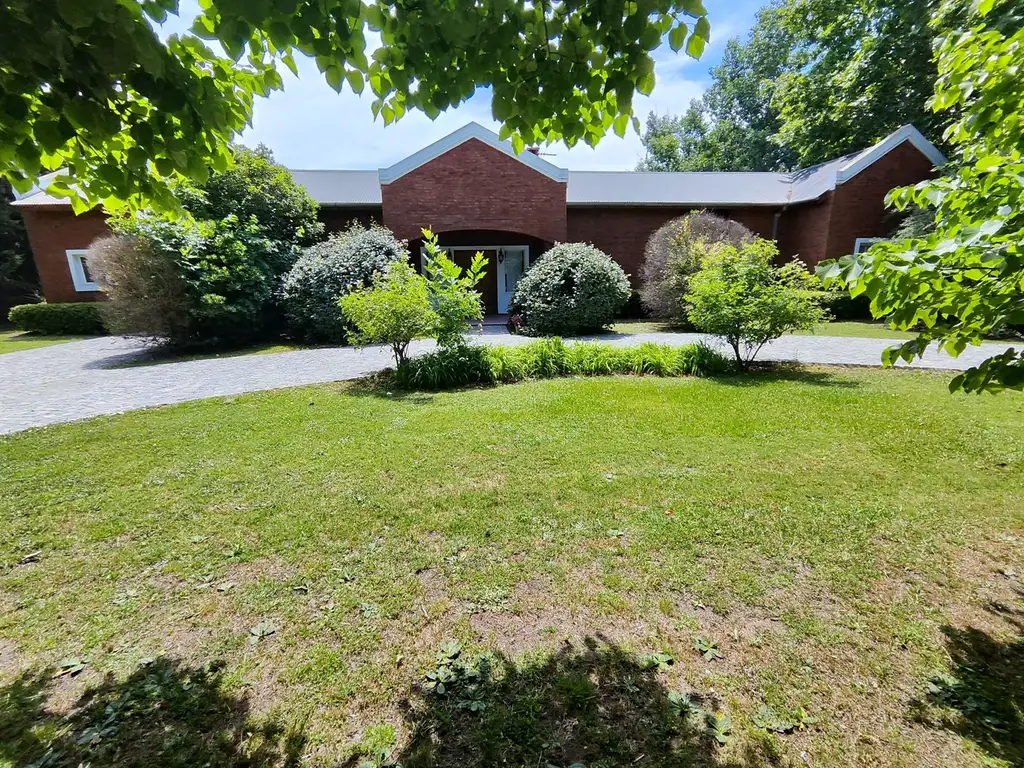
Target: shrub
{"x": 72, "y": 319}
{"x": 395, "y": 310}
{"x": 242, "y": 233}
{"x": 573, "y": 288}
{"x": 739, "y": 295}
{"x": 344, "y": 262}
{"x": 448, "y": 367}
{"x": 548, "y": 358}
{"x": 674, "y": 253}
{"x": 223, "y": 273}
{"x": 147, "y": 291}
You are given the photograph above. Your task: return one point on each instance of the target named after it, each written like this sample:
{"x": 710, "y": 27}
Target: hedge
{"x": 81, "y": 318}
{"x": 551, "y": 357}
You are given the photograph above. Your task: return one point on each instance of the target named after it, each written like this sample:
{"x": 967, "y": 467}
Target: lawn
{"x": 604, "y": 572}
{"x": 17, "y": 341}
{"x": 863, "y": 329}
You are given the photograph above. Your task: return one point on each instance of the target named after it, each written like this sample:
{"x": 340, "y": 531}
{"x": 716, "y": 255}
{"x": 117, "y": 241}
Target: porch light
{"x": 501, "y": 255}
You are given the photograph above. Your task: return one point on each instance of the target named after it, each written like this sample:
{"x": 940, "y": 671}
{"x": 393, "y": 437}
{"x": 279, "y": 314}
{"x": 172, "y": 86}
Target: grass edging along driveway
{"x": 20, "y": 341}
{"x": 821, "y": 562}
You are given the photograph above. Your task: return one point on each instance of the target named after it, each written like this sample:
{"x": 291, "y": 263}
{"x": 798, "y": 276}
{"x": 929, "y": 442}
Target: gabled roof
{"x": 462, "y": 135}
{"x": 627, "y": 188}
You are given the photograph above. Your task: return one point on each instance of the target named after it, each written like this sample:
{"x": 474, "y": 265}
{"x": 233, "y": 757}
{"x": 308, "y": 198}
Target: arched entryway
{"x": 508, "y": 254}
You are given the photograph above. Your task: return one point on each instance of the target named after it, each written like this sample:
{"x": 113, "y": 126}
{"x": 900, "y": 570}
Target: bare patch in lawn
{"x": 167, "y": 713}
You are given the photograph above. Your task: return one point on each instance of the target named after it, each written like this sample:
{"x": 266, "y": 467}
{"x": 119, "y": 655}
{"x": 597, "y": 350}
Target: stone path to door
{"x": 78, "y": 380}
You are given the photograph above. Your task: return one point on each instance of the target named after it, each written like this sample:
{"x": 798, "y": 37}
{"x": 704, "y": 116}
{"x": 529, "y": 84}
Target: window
{"x": 80, "y": 276}
{"x": 863, "y": 243}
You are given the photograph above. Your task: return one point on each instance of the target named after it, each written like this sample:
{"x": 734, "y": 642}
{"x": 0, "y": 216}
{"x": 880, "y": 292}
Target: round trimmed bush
{"x": 573, "y": 288}
{"x": 674, "y": 252}
{"x": 344, "y": 262}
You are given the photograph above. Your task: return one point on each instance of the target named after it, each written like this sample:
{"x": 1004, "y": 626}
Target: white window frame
{"x": 82, "y": 283}
{"x": 866, "y": 242}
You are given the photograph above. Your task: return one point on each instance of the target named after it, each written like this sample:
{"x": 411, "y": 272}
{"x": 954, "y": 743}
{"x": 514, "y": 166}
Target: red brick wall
{"x": 858, "y": 206}
{"x": 803, "y": 230}
{"x": 53, "y": 232}
{"x": 622, "y": 232}
{"x": 474, "y": 186}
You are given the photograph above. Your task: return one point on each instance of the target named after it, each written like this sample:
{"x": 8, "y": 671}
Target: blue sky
{"x": 308, "y": 125}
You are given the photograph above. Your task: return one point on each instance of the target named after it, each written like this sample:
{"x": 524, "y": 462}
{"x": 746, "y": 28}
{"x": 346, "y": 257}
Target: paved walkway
{"x": 78, "y": 380}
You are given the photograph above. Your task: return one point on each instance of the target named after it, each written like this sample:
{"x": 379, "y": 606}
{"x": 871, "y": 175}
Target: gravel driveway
{"x": 78, "y": 380}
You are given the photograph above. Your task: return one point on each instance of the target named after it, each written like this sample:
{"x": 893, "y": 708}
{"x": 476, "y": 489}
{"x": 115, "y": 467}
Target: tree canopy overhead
{"x": 90, "y": 85}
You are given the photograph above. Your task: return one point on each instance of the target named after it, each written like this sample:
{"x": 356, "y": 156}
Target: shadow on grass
{"x": 762, "y": 373}
{"x": 593, "y": 706}
{"x": 164, "y": 714}
{"x": 982, "y": 698}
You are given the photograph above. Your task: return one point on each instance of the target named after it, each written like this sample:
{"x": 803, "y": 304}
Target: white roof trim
{"x": 884, "y": 147}
{"x": 464, "y": 134}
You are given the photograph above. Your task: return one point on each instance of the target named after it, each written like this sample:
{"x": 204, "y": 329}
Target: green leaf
{"x": 699, "y": 39}
{"x": 677, "y": 37}
{"x": 334, "y": 74}
{"x": 77, "y": 13}
{"x": 621, "y": 125}
{"x": 355, "y": 80}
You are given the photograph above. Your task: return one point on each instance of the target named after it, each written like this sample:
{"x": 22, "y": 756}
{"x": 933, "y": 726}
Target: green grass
{"x": 18, "y": 341}
{"x": 843, "y": 537}
{"x": 861, "y": 329}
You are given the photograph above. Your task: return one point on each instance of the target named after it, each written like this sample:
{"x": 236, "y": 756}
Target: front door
{"x": 512, "y": 264}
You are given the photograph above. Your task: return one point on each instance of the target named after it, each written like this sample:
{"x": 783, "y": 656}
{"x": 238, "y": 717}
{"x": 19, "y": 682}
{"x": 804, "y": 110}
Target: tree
{"x": 733, "y": 126}
{"x": 395, "y": 310}
{"x": 965, "y": 279}
{"x": 210, "y": 277}
{"x": 452, "y": 291}
{"x": 815, "y": 80}
{"x": 739, "y": 295}
{"x": 859, "y": 69}
{"x": 90, "y": 85}
{"x": 18, "y": 279}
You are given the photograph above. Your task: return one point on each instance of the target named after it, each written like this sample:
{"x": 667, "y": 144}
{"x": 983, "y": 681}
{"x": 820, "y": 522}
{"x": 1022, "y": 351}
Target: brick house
{"x": 478, "y": 194}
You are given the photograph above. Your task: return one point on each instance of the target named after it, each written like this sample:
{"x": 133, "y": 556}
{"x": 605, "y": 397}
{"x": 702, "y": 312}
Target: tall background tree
{"x": 734, "y": 125}
{"x": 816, "y": 79}
{"x": 19, "y": 282}
{"x": 90, "y": 84}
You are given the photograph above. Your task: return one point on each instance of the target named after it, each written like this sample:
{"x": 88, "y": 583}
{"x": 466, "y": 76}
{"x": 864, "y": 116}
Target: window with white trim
{"x": 863, "y": 243}
{"x": 79, "y": 269}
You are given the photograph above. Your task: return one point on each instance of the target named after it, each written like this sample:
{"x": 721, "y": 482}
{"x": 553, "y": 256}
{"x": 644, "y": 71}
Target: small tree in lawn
{"x": 452, "y": 291}
{"x": 395, "y": 310}
{"x": 739, "y": 295}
